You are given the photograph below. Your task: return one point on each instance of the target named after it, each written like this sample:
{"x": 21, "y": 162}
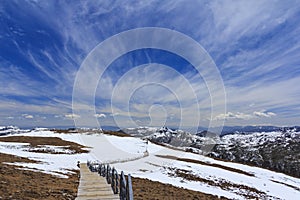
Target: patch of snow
{"x": 125, "y": 150}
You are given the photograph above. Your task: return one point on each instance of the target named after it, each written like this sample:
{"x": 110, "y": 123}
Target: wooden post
{"x": 108, "y": 174}
{"x": 129, "y": 191}
{"x": 122, "y": 187}
{"x": 117, "y": 182}
{"x": 113, "y": 184}
{"x": 114, "y": 181}
{"x": 100, "y": 170}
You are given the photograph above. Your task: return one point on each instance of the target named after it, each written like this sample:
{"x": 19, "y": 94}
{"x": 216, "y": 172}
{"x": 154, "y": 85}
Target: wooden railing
{"x": 120, "y": 185}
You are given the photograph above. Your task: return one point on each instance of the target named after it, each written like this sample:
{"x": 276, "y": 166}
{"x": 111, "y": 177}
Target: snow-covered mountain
{"x": 5, "y": 130}
{"x": 139, "y": 131}
{"x": 247, "y": 129}
{"x": 278, "y": 150}
{"x": 172, "y": 137}
{"x": 176, "y": 138}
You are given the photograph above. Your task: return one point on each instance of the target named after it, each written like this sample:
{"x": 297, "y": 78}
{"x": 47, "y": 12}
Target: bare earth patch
{"x": 23, "y": 184}
{"x": 37, "y": 143}
{"x": 116, "y": 133}
{"x": 144, "y": 189}
{"x": 92, "y": 131}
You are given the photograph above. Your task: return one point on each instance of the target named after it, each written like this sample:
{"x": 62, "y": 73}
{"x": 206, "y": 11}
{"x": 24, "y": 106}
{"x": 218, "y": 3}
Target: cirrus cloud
{"x": 27, "y": 116}
{"x": 243, "y": 116}
{"x": 101, "y": 115}
{"x": 71, "y": 116}
{"x": 264, "y": 114}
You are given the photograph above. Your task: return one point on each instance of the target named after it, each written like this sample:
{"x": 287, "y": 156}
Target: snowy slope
{"x": 127, "y": 154}
{"x": 278, "y": 150}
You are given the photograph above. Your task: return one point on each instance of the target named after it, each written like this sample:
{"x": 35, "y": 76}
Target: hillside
{"x": 161, "y": 164}
{"x": 277, "y": 150}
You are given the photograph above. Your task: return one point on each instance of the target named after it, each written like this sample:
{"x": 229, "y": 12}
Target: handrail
{"x": 124, "y": 187}
{"x": 115, "y": 181}
{"x": 129, "y": 191}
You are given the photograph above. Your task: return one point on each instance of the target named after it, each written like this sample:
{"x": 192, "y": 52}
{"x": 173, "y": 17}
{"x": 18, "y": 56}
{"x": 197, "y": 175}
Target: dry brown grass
{"x": 27, "y": 185}
{"x": 145, "y": 189}
{"x": 53, "y": 141}
{"x": 116, "y": 133}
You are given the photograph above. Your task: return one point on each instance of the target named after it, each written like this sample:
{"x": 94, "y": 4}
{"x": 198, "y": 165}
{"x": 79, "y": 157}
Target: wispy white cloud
{"x": 71, "y": 116}
{"x": 264, "y": 114}
{"x": 101, "y": 115}
{"x": 27, "y": 116}
{"x": 230, "y": 115}
{"x": 243, "y": 116}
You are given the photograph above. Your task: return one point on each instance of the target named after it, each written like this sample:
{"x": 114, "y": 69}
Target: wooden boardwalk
{"x": 92, "y": 186}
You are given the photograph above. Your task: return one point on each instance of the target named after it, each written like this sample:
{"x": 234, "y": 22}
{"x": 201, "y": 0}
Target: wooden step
{"x": 92, "y": 186}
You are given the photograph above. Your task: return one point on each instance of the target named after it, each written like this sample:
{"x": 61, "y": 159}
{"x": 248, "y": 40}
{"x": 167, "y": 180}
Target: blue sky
{"x": 254, "y": 44}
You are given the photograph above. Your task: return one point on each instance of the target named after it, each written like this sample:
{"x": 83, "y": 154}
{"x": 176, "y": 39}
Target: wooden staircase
{"x": 92, "y": 186}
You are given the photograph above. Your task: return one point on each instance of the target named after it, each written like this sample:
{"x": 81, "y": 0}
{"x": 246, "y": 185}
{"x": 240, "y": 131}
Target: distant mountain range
{"x": 271, "y": 147}
{"x": 246, "y": 129}
{"x": 202, "y": 131}
{"x": 275, "y": 148}
{"x": 225, "y": 129}
{"x": 5, "y": 130}
{"x": 252, "y": 129}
